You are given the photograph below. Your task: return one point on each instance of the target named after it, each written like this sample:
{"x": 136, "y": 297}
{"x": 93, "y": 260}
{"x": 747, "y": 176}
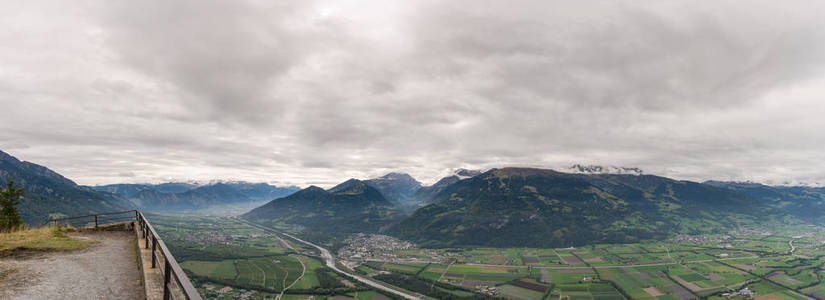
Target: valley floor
{"x": 230, "y": 259}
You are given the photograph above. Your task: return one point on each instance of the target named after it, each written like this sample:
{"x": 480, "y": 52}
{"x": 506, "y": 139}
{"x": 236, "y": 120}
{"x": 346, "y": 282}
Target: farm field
{"x": 367, "y": 295}
{"x": 220, "y": 253}
{"x": 684, "y": 268}
{"x": 266, "y": 273}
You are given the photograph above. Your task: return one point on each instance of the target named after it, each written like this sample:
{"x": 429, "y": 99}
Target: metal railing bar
{"x": 92, "y": 215}
{"x": 90, "y": 222}
{"x": 183, "y": 280}
{"x": 115, "y": 219}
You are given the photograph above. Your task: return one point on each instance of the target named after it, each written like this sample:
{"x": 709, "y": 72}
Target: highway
{"x": 329, "y": 259}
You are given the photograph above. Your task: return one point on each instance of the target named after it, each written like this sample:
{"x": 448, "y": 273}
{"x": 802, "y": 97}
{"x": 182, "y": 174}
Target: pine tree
{"x": 9, "y": 198}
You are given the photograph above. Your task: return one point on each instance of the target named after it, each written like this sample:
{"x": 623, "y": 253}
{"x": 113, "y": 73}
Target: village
{"x": 373, "y": 246}
{"x": 229, "y": 292}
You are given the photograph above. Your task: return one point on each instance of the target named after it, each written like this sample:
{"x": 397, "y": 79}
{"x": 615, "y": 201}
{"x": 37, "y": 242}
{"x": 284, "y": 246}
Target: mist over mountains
{"x": 187, "y": 196}
{"x": 50, "y": 195}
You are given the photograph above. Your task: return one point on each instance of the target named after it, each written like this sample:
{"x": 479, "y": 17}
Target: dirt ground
{"x": 107, "y": 270}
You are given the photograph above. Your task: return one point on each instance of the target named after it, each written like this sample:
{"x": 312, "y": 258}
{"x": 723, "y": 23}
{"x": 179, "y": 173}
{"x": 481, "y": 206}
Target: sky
{"x": 315, "y": 92}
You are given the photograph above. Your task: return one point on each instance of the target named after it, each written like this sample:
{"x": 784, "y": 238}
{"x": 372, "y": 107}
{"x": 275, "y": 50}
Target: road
{"x": 617, "y": 266}
{"x": 330, "y": 262}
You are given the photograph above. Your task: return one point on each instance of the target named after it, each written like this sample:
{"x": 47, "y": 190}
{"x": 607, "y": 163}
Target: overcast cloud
{"x": 315, "y": 92}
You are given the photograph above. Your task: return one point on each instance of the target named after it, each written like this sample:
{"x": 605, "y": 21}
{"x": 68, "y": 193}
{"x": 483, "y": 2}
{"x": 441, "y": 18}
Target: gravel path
{"x": 107, "y": 270}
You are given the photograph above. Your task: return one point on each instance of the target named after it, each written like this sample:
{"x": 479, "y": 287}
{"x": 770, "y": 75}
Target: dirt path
{"x": 107, "y": 270}
{"x": 793, "y": 248}
{"x": 263, "y": 282}
{"x": 303, "y": 272}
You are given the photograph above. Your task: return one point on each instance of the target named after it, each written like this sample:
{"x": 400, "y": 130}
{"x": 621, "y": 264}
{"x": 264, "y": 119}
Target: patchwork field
{"x": 694, "y": 267}
{"x": 713, "y": 267}
{"x": 252, "y": 262}
{"x": 516, "y": 292}
{"x": 269, "y": 273}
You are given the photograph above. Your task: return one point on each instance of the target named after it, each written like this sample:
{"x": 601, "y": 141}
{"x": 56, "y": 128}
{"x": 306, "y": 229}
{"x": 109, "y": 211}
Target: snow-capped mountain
{"x": 792, "y": 183}
{"x": 596, "y": 169}
{"x": 464, "y": 173}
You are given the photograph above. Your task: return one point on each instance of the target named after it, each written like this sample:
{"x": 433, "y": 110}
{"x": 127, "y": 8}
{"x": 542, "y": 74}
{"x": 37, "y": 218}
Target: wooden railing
{"x": 171, "y": 270}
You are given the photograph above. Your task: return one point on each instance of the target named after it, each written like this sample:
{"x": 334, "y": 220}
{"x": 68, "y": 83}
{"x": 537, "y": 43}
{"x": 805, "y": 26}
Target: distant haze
{"x": 315, "y": 92}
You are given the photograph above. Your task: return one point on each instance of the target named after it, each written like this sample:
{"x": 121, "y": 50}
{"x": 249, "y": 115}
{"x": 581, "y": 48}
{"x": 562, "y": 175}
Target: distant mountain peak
{"x": 312, "y": 190}
{"x": 396, "y": 187}
{"x": 346, "y": 185}
{"x": 397, "y": 176}
{"x": 314, "y": 187}
{"x": 598, "y": 169}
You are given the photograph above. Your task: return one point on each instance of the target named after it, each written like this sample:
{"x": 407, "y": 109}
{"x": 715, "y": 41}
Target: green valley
{"x": 227, "y": 258}
{"x": 735, "y": 264}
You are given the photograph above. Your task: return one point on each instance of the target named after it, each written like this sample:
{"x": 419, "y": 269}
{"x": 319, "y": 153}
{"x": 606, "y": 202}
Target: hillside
{"x": 425, "y": 194}
{"x": 350, "y": 207}
{"x": 49, "y": 194}
{"x": 804, "y": 202}
{"x": 544, "y": 208}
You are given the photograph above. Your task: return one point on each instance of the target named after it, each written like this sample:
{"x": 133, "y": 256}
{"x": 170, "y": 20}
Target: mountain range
{"x": 186, "y": 196}
{"x": 128, "y": 190}
{"x": 409, "y": 194}
{"x": 353, "y": 206}
{"x": 518, "y": 207}
{"x": 802, "y": 201}
{"x": 525, "y": 207}
{"x": 545, "y": 208}
{"x": 50, "y": 195}
{"x": 350, "y": 207}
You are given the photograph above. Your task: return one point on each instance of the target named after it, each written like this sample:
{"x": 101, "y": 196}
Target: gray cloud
{"x": 314, "y": 92}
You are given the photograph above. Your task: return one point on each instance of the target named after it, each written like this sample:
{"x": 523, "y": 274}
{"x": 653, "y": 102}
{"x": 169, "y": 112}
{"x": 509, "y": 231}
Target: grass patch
{"x": 38, "y": 240}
